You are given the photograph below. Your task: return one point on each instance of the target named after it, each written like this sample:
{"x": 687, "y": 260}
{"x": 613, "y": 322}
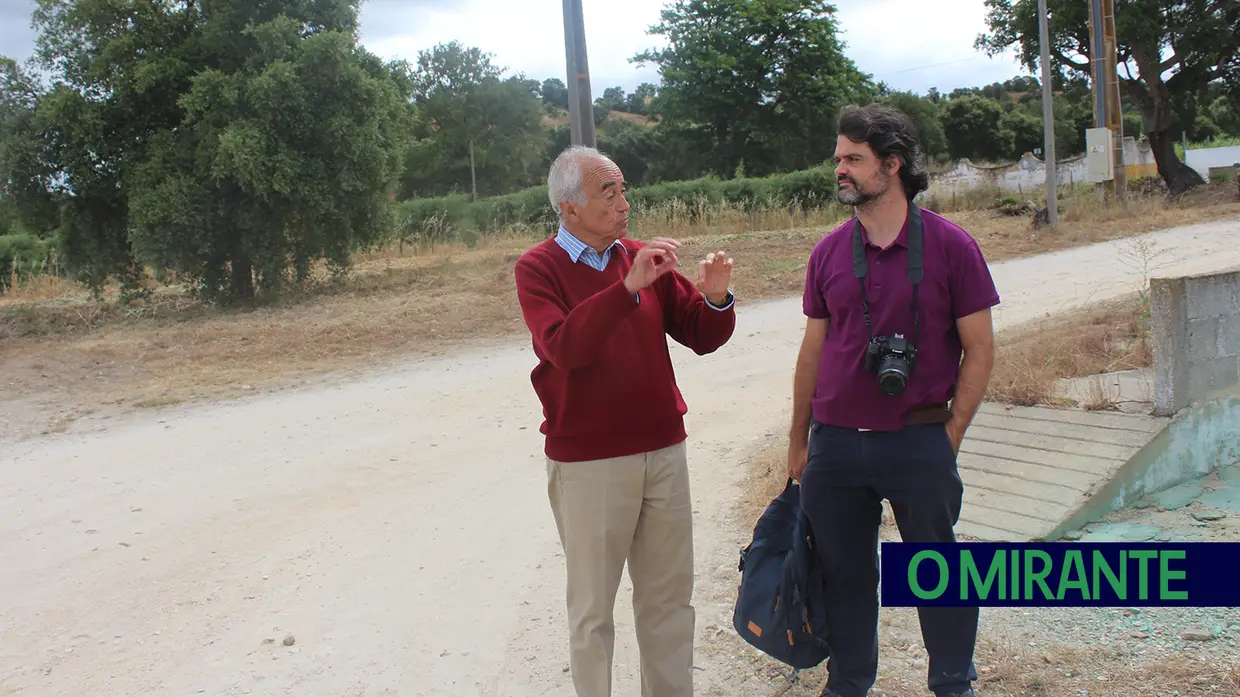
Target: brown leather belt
{"x": 937, "y": 414}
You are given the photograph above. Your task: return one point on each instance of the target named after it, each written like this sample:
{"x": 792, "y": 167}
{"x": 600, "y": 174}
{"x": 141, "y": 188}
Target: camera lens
{"x": 893, "y": 375}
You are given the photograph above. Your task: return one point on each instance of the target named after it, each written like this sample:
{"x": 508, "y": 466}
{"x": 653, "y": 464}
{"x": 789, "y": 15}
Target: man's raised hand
{"x": 651, "y": 262}
{"x": 715, "y": 276}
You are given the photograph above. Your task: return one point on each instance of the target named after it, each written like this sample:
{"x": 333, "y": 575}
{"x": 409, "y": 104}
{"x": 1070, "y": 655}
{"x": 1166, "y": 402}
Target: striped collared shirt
{"x": 580, "y": 251}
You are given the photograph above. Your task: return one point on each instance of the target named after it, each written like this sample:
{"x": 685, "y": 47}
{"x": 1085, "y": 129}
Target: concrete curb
{"x": 1200, "y": 439}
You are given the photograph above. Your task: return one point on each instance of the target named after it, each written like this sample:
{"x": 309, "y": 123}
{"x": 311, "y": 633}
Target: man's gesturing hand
{"x": 714, "y": 277}
{"x": 651, "y": 262}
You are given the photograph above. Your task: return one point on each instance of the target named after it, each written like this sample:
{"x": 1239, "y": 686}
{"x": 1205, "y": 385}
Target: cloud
{"x": 525, "y": 37}
{"x": 16, "y": 37}
{"x": 910, "y": 44}
{"x": 918, "y": 44}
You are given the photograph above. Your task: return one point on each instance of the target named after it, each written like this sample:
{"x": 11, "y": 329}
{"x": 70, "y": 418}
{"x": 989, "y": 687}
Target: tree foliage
{"x": 463, "y": 99}
{"x": 755, "y": 82}
{"x": 233, "y": 141}
{"x": 25, "y": 173}
{"x": 1169, "y": 52}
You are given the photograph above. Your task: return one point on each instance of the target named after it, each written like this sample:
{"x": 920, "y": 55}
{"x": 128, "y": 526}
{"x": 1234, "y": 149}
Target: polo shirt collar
{"x": 900, "y": 241}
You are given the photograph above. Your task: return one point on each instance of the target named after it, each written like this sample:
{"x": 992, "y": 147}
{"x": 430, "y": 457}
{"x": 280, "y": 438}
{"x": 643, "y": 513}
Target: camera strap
{"x": 860, "y": 268}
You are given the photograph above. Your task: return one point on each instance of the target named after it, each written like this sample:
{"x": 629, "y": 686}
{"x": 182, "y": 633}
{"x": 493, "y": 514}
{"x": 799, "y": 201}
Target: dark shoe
{"x": 828, "y": 692}
{"x": 967, "y": 693}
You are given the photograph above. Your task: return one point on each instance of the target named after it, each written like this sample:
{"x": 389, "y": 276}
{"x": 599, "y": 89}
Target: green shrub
{"x": 432, "y": 221}
{"x": 22, "y": 256}
{"x": 810, "y": 188}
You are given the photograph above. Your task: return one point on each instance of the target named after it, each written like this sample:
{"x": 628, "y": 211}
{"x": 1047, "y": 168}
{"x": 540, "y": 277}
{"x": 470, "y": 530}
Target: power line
{"x": 924, "y": 67}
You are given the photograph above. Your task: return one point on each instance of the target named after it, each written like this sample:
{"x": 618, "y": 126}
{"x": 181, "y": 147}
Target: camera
{"x": 893, "y": 359}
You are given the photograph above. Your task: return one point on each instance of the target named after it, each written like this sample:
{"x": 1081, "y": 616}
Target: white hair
{"x": 564, "y": 180}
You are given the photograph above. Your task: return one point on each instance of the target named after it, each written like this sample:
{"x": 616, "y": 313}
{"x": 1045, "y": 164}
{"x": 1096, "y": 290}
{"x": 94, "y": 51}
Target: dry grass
{"x": 690, "y": 220}
{"x": 1077, "y": 670}
{"x": 41, "y": 284}
{"x": 1005, "y": 671}
{"x": 400, "y": 302}
{"x": 172, "y": 347}
{"x": 1029, "y": 360}
{"x": 34, "y": 289}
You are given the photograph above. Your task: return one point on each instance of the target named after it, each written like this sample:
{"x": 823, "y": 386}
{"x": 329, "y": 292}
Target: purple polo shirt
{"x": 956, "y": 282}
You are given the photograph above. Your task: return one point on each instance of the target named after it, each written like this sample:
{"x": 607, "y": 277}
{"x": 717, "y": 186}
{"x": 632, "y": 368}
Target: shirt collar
{"x": 576, "y": 247}
{"x": 900, "y": 241}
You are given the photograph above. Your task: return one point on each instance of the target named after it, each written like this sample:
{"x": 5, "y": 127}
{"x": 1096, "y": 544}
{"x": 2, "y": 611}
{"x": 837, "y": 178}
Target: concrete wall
{"x": 1196, "y": 333}
{"x": 1203, "y": 159}
{"x": 1029, "y": 174}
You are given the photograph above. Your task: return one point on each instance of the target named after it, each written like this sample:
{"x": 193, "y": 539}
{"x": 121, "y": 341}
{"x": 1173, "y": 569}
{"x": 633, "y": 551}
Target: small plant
{"x": 1141, "y": 251}
{"x": 1099, "y": 397}
{"x": 1144, "y": 323}
{"x": 1013, "y": 206}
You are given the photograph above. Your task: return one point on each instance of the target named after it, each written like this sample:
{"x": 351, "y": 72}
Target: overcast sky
{"x": 909, "y": 44}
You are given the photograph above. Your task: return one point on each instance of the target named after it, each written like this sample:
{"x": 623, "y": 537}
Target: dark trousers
{"x": 848, "y": 475}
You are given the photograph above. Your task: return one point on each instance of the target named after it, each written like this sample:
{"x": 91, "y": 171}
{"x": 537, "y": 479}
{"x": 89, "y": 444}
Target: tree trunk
{"x": 1178, "y": 176}
{"x": 1153, "y": 98}
{"x": 241, "y": 266}
{"x": 242, "y": 277}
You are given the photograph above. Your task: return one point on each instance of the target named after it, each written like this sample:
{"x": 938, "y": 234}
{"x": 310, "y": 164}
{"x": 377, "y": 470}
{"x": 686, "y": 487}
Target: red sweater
{"x": 604, "y": 375}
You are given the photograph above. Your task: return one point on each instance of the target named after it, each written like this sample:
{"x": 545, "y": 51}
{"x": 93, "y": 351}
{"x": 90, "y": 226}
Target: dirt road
{"x": 396, "y": 526}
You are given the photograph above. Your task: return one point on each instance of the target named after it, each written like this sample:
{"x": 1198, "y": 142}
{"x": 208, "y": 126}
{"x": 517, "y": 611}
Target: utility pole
{"x": 1104, "y": 82}
{"x": 1098, "y": 67}
{"x": 580, "y": 103}
{"x": 1048, "y": 120}
{"x": 1115, "y": 109}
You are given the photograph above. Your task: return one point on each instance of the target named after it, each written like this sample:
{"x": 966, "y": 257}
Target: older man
{"x": 599, "y": 307}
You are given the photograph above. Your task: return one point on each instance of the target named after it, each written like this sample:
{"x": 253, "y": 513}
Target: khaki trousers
{"x": 634, "y": 508}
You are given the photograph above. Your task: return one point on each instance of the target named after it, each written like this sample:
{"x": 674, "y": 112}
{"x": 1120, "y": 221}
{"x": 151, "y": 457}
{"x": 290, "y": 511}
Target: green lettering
{"x": 1166, "y": 574}
{"x": 1120, "y": 584}
{"x": 969, "y": 573}
{"x": 1038, "y": 577}
{"x": 1015, "y": 577}
{"x": 1076, "y": 564}
{"x": 1145, "y": 555}
{"x": 912, "y": 574}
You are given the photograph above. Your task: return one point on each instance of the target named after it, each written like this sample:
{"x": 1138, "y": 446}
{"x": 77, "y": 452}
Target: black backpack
{"x": 779, "y": 604}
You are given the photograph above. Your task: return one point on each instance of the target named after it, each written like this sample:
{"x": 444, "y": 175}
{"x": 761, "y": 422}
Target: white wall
{"x": 1205, "y": 158}
{"x": 1029, "y": 174}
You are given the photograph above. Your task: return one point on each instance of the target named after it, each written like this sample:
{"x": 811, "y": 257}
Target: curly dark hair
{"x": 889, "y": 131}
